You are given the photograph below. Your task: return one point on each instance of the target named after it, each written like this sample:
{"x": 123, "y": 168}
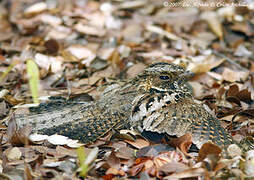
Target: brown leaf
{"x": 207, "y": 149}
{"x": 135, "y": 70}
{"x": 125, "y": 153}
{"x": 244, "y": 27}
{"x": 139, "y": 143}
{"x": 108, "y": 176}
{"x": 3, "y": 109}
{"x": 166, "y": 157}
{"x": 233, "y": 90}
{"x": 213, "y": 20}
{"x": 234, "y": 100}
{"x": 219, "y": 166}
{"x": 210, "y": 162}
{"x": 115, "y": 171}
{"x": 62, "y": 151}
{"x": 194, "y": 172}
{"x": 244, "y": 95}
{"x": 152, "y": 151}
{"x": 17, "y": 136}
{"x": 136, "y": 169}
{"x": 12, "y": 100}
{"x": 183, "y": 143}
{"x": 234, "y": 76}
{"x": 51, "y": 46}
{"x": 28, "y": 175}
{"x": 249, "y": 111}
{"x": 113, "y": 161}
{"x": 116, "y": 61}
{"x": 206, "y": 64}
{"x": 173, "y": 167}
{"x": 149, "y": 165}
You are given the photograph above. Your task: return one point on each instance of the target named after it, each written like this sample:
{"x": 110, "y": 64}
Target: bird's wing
{"x": 176, "y": 116}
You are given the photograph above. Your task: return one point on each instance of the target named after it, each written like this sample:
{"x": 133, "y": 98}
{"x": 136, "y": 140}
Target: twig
{"x": 230, "y": 60}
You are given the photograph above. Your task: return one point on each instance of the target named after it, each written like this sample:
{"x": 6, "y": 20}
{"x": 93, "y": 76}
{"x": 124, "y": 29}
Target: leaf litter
{"x": 80, "y": 45}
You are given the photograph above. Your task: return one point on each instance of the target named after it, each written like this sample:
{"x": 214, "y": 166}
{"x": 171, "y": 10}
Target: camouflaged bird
{"x": 158, "y": 100}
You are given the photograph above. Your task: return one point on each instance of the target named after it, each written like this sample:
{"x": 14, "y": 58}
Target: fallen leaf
{"x": 135, "y": 70}
{"x": 172, "y": 167}
{"x": 36, "y": 8}
{"x": 234, "y": 76}
{"x": 139, "y": 143}
{"x": 132, "y": 4}
{"x": 233, "y": 90}
{"x": 207, "y": 149}
{"x": 90, "y": 30}
{"x": 37, "y": 137}
{"x": 125, "y": 153}
{"x": 28, "y": 172}
{"x": 242, "y": 51}
{"x": 63, "y": 140}
{"x": 49, "y": 62}
{"x": 205, "y": 64}
{"x": 52, "y": 46}
{"x": 132, "y": 33}
{"x": 136, "y": 169}
{"x": 159, "y": 30}
{"x": 113, "y": 161}
{"x": 213, "y": 20}
{"x": 152, "y": 151}
{"x": 50, "y": 19}
{"x": 183, "y": 143}
{"x": 244, "y": 95}
{"x": 79, "y": 51}
{"x": 14, "y": 154}
{"x": 234, "y": 150}
{"x": 17, "y": 136}
{"x": 249, "y": 165}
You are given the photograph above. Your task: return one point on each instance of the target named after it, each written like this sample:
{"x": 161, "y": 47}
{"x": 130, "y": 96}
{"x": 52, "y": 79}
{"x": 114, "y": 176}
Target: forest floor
{"x": 76, "y": 46}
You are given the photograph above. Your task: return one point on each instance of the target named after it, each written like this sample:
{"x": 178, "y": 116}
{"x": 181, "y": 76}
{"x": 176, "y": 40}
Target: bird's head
{"x": 165, "y": 76}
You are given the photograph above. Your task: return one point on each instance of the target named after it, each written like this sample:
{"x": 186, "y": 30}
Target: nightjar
{"x": 158, "y": 100}
{"x": 168, "y": 106}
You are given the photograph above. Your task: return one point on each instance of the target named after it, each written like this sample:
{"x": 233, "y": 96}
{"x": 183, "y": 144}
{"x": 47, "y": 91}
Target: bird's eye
{"x": 164, "y": 77}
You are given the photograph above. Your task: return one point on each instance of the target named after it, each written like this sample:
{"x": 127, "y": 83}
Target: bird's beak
{"x": 187, "y": 75}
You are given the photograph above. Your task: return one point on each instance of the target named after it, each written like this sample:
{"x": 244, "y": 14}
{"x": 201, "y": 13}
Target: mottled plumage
{"x": 158, "y": 100}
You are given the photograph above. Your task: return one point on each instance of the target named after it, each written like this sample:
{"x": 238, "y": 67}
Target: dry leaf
{"x": 132, "y": 4}
{"x": 173, "y": 167}
{"x": 90, "y": 30}
{"x": 183, "y": 143}
{"x": 249, "y": 166}
{"x": 189, "y": 173}
{"x": 14, "y": 154}
{"x": 234, "y": 150}
{"x": 113, "y": 161}
{"x": 36, "y": 8}
{"x": 213, "y": 20}
{"x": 139, "y": 143}
{"x": 234, "y": 76}
{"x": 135, "y": 70}
{"x": 208, "y": 149}
{"x": 152, "y": 151}
{"x": 160, "y": 31}
{"x": 79, "y": 51}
